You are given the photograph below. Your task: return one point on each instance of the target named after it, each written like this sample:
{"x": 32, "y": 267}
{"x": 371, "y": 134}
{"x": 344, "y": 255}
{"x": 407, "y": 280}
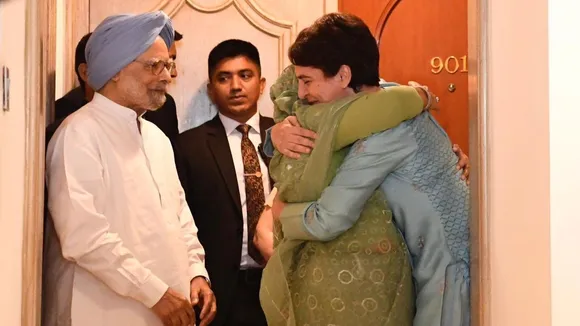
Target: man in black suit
{"x": 226, "y": 180}
{"x": 77, "y": 97}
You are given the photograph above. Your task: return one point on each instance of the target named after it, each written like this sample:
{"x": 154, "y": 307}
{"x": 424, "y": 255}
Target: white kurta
{"x": 120, "y": 214}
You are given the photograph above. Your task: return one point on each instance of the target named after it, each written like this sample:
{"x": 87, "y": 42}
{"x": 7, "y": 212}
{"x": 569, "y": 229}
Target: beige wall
{"x": 12, "y": 40}
{"x": 533, "y": 134}
{"x": 518, "y": 162}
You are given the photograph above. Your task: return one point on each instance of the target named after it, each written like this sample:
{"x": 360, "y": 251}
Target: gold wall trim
{"x": 160, "y": 5}
{"x": 284, "y": 31}
{"x": 385, "y": 15}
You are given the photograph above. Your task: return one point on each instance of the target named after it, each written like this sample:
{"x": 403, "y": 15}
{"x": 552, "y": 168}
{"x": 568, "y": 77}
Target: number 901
{"x": 451, "y": 64}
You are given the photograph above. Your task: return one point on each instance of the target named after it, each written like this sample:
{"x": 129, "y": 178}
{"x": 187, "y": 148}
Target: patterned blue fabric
{"x": 432, "y": 171}
{"x": 430, "y": 204}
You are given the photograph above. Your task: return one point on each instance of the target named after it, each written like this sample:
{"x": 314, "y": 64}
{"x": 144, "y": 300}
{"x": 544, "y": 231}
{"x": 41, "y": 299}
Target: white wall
{"x": 12, "y": 22}
{"x": 564, "y": 56}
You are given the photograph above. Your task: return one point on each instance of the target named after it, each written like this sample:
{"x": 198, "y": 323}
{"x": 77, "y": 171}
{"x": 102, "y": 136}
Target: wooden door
{"x": 424, "y": 41}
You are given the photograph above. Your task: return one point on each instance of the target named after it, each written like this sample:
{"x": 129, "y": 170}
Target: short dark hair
{"x": 338, "y": 39}
{"x": 80, "y": 57}
{"x": 229, "y": 49}
{"x": 178, "y": 36}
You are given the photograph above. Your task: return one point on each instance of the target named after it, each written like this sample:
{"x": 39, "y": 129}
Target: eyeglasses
{"x": 157, "y": 66}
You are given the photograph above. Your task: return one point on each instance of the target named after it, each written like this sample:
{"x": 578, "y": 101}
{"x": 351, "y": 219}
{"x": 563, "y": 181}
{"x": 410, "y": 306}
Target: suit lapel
{"x": 265, "y": 124}
{"x": 218, "y": 145}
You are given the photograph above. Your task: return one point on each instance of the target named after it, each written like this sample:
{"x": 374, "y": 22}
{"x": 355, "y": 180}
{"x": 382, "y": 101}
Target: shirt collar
{"x": 230, "y": 124}
{"x": 112, "y": 108}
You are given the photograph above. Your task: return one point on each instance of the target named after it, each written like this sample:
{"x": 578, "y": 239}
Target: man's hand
{"x": 264, "y": 235}
{"x": 463, "y": 163}
{"x": 292, "y": 140}
{"x": 174, "y": 310}
{"x": 201, "y": 294}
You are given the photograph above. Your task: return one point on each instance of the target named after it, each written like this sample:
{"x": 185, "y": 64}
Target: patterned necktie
{"x": 254, "y": 190}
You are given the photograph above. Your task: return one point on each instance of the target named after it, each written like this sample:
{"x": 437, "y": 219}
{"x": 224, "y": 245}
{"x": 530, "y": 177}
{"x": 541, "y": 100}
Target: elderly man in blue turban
{"x": 122, "y": 246}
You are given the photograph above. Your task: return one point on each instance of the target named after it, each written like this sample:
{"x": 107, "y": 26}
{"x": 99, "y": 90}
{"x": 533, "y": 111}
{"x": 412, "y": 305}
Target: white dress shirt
{"x": 120, "y": 214}
{"x": 235, "y": 142}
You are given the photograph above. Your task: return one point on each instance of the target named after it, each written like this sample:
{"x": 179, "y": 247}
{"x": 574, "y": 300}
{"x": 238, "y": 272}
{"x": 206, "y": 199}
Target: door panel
{"x": 368, "y": 10}
{"x": 424, "y": 41}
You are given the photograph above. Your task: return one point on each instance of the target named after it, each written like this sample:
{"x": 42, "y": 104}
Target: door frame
{"x": 478, "y": 148}
{"x": 40, "y": 47}
{"x": 76, "y": 24}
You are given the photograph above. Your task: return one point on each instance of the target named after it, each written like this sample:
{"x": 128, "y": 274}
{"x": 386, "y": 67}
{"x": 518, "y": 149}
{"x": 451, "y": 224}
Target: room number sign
{"x": 451, "y": 64}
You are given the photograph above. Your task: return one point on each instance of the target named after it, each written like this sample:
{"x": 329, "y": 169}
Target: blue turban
{"x": 120, "y": 39}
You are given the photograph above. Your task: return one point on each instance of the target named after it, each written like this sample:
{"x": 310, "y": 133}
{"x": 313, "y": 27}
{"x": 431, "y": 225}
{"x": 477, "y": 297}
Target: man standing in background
{"x": 226, "y": 181}
{"x": 78, "y": 96}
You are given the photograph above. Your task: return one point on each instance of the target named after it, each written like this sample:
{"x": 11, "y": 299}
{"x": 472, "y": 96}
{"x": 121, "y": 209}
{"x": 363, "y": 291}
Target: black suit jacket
{"x": 207, "y": 173}
{"x": 165, "y": 118}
